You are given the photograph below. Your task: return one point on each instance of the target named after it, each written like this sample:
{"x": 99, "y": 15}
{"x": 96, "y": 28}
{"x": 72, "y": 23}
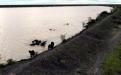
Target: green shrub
{"x": 10, "y": 61}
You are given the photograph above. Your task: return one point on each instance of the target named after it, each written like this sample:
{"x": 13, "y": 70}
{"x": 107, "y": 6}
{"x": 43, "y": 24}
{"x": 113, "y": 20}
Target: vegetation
{"x": 63, "y": 39}
{"x": 103, "y": 14}
{"x": 112, "y": 63}
{"x": 9, "y": 62}
{"x": 91, "y": 22}
{"x": 2, "y": 65}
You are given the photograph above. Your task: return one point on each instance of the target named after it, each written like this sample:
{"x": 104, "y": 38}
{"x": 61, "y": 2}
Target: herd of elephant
{"x": 39, "y": 42}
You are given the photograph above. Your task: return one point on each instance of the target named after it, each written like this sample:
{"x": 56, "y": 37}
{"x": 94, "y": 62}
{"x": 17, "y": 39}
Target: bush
{"x": 102, "y": 15}
{"x": 2, "y": 65}
{"x": 63, "y": 38}
{"x": 90, "y": 23}
{"x": 10, "y": 61}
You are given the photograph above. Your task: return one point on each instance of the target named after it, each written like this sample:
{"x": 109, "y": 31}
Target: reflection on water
{"x": 19, "y": 26}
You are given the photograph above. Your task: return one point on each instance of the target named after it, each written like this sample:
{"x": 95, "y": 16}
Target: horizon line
{"x": 55, "y": 5}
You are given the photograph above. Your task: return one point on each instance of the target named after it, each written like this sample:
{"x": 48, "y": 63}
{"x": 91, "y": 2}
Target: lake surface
{"x": 19, "y": 26}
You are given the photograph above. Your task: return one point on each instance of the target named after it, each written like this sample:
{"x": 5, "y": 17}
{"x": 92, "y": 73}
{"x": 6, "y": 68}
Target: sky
{"x": 14, "y": 2}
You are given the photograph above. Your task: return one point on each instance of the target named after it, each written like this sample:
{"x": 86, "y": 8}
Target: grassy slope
{"x": 74, "y": 57}
{"x": 112, "y": 63}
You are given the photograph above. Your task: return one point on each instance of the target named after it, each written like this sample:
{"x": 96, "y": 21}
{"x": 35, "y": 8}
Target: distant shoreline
{"x": 54, "y": 5}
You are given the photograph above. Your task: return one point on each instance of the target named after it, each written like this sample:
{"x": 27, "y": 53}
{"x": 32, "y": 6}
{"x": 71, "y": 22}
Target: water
{"x": 19, "y": 26}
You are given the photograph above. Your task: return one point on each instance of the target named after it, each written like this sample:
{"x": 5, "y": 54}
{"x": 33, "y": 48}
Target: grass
{"x": 112, "y": 63}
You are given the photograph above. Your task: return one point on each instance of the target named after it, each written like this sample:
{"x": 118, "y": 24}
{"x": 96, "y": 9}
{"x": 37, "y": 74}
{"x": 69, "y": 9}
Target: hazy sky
{"x": 3, "y": 2}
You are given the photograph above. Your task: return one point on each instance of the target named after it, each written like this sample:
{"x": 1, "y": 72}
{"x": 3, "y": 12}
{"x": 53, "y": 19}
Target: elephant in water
{"x": 35, "y": 42}
{"x": 43, "y": 43}
{"x": 51, "y": 46}
{"x": 32, "y": 53}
